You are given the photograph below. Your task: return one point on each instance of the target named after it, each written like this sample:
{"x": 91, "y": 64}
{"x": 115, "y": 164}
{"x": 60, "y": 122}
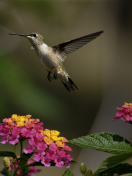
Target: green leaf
{"x": 7, "y": 153}
{"x": 15, "y": 159}
{"x": 119, "y": 169}
{"x": 24, "y": 158}
{"x": 107, "y": 142}
{"x": 72, "y": 162}
{"x": 114, "y": 164}
{"x": 68, "y": 173}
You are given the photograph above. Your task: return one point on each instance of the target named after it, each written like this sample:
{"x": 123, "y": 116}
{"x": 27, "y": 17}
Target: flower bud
{"x": 89, "y": 173}
{"x": 6, "y": 162}
{"x": 83, "y": 168}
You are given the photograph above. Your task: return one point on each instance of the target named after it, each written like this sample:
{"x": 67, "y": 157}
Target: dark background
{"x": 102, "y": 70}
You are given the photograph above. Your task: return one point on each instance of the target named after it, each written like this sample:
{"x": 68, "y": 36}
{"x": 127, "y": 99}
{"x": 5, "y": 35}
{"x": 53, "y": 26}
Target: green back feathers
{"x": 63, "y": 68}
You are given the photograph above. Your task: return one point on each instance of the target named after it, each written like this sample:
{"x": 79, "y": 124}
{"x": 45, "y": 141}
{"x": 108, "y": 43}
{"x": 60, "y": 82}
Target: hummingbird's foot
{"x": 55, "y": 75}
{"x": 49, "y": 77}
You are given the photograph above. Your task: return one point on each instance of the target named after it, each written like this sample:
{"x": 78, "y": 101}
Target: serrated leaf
{"x": 68, "y": 173}
{"x": 119, "y": 169}
{"x": 114, "y": 163}
{"x": 7, "y": 153}
{"x": 107, "y": 142}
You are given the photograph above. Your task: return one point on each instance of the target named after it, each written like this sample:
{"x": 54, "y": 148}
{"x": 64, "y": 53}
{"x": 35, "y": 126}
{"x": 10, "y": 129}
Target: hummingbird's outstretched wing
{"x": 68, "y": 47}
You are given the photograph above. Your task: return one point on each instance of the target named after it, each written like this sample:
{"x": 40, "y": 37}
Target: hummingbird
{"x": 52, "y": 57}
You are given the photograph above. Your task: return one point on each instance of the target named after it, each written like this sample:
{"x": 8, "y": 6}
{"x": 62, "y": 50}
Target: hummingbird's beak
{"x": 24, "y": 35}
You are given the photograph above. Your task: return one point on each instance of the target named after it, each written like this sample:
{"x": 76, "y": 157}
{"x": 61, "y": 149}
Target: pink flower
{"x": 38, "y": 126}
{"x": 5, "y": 131}
{"x": 25, "y": 132}
{"x": 67, "y": 160}
{"x": 29, "y": 149}
{"x": 16, "y": 131}
{"x": 125, "y": 113}
{"x": 68, "y": 157}
{"x": 4, "y": 139}
{"x": 46, "y": 162}
{"x": 10, "y": 125}
{"x": 33, "y": 170}
{"x": 33, "y": 141}
{"x": 33, "y": 133}
{"x": 39, "y": 136}
{"x": 2, "y": 126}
{"x": 38, "y": 156}
{"x": 67, "y": 164}
{"x": 66, "y": 147}
{"x": 13, "y": 139}
{"x": 29, "y": 125}
{"x": 50, "y": 154}
{"x": 41, "y": 146}
{"x": 53, "y": 146}
{"x": 59, "y": 162}
{"x": 61, "y": 152}
{"x": 36, "y": 121}
{"x": 119, "y": 114}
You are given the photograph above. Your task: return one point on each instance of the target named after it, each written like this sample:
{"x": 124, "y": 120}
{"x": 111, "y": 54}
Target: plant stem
{"x": 21, "y": 147}
{"x": 8, "y": 171}
{"x": 32, "y": 164}
{"x": 13, "y": 167}
{"x": 14, "y": 173}
{"x": 14, "y": 149}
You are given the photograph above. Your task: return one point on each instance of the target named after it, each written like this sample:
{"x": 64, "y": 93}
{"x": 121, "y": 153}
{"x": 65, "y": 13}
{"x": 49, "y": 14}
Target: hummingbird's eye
{"x": 34, "y": 35}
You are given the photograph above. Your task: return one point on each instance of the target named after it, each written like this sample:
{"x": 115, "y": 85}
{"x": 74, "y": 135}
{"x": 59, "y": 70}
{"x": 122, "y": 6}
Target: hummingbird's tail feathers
{"x": 70, "y": 86}
{"x": 65, "y": 86}
{"x": 74, "y": 87}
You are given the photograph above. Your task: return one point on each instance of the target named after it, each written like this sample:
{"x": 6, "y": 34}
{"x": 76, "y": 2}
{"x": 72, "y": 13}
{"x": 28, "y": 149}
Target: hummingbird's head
{"x": 35, "y": 38}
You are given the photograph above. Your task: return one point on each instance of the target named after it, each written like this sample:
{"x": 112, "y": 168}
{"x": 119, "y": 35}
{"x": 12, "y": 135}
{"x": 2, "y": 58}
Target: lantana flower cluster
{"x": 125, "y": 113}
{"x": 46, "y": 145}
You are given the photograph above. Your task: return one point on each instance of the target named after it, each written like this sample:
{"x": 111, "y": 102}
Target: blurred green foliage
{"x": 23, "y": 93}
